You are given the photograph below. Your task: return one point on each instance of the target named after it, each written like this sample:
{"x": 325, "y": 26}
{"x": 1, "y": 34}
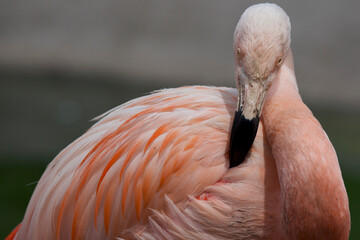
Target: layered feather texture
{"x": 138, "y": 158}
{"x": 156, "y": 167}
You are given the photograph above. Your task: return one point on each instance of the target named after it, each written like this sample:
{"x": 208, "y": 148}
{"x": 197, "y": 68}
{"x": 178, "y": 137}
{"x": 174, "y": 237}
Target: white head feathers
{"x": 262, "y": 38}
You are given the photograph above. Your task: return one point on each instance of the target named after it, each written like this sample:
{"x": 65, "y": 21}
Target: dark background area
{"x": 64, "y": 63}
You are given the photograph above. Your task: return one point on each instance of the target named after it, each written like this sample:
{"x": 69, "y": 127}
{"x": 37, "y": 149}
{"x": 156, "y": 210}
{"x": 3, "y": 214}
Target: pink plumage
{"x": 157, "y": 167}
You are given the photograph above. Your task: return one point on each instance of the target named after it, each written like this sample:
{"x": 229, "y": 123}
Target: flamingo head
{"x": 261, "y": 43}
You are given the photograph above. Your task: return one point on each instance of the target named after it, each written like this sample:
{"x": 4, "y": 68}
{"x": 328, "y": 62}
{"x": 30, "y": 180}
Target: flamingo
{"x": 179, "y": 164}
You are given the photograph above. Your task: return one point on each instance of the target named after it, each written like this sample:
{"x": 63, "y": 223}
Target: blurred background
{"x": 62, "y": 63}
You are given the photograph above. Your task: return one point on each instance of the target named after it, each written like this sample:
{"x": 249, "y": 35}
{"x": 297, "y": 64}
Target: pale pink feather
{"x": 157, "y": 168}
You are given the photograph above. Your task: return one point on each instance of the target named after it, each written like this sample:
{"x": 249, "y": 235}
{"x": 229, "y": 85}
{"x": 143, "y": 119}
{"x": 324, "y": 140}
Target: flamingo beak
{"x": 252, "y": 91}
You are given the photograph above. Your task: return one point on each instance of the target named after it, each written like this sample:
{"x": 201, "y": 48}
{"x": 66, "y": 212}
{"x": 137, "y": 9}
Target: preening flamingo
{"x": 176, "y": 164}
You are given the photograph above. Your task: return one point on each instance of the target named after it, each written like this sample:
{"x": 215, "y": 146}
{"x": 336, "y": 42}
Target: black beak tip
{"x": 242, "y": 136}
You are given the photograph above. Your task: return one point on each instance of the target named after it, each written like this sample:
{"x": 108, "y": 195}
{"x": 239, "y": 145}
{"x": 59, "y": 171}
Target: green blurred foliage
{"x": 18, "y": 179}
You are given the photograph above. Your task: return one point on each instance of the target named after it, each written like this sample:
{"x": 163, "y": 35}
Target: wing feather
{"x": 171, "y": 143}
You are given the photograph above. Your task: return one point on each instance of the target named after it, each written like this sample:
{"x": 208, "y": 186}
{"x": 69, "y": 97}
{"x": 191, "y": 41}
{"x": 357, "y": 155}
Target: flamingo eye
{"x": 279, "y": 61}
{"x": 240, "y": 53}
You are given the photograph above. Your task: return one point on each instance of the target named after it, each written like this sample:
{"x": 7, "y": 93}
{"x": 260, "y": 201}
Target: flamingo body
{"x": 157, "y": 167}
{"x": 110, "y": 180}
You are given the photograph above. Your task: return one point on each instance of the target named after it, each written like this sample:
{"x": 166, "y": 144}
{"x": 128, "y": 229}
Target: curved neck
{"x": 313, "y": 196}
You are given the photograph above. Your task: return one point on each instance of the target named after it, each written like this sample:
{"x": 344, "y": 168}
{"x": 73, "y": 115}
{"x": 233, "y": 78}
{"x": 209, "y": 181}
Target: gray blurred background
{"x": 63, "y": 63}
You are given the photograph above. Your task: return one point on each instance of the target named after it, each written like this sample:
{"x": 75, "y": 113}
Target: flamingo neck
{"x": 313, "y": 197}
